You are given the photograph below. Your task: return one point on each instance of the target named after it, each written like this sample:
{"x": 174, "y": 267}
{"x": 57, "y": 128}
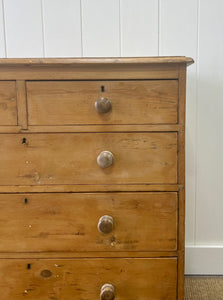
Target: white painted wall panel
{"x": 23, "y": 26}
{"x": 62, "y": 28}
{"x": 204, "y": 260}
{"x": 100, "y": 28}
{"x": 209, "y": 209}
{"x": 139, "y": 27}
{"x": 178, "y": 36}
{"x": 2, "y": 31}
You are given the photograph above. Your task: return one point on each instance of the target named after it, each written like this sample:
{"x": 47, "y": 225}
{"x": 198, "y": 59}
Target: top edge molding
{"x": 97, "y": 60}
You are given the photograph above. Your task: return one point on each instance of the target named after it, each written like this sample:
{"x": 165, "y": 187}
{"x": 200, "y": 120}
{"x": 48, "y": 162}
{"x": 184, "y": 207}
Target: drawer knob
{"x": 103, "y": 105}
{"x": 105, "y": 159}
{"x": 107, "y": 292}
{"x": 105, "y": 224}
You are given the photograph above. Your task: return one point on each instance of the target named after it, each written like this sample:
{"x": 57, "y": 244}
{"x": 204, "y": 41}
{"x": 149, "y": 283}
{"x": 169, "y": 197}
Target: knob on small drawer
{"x": 105, "y": 224}
{"x": 105, "y": 159}
{"x": 107, "y": 292}
{"x": 103, "y": 105}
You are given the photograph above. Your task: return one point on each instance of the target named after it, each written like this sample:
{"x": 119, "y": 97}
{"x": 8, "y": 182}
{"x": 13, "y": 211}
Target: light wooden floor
{"x": 203, "y": 288}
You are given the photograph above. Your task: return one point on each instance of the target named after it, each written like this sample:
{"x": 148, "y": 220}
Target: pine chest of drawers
{"x": 92, "y": 178}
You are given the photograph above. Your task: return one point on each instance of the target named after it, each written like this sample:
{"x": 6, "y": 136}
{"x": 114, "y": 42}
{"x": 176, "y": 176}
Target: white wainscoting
{"x": 76, "y": 28}
{"x": 204, "y": 259}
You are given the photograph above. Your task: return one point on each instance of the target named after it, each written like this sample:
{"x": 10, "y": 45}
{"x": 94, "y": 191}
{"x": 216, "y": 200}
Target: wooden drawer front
{"x": 71, "y": 158}
{"x": 68, "y": 222}
{"x": 138, "y": 279}
{"x": 72, "y": 103}
{"x": 8, "y": 108}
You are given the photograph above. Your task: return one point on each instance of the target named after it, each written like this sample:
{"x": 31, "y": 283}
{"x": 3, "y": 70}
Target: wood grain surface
{"x": 82, "y": 279}
{"x": 21, "y": 104}
{"x": 181, "y": 171}
{"x": 90, "y": 188}
{"x": 98, "y": 60}
{"x": 94, "y": 128}
{"x": 98, "y": 71}
{"x": 68, "y": 222}
{"x": 53, "y": 192}
{"x": 72, "y": 102}
{"x": 8, "y": 106}
{"x": 71, "y": 158}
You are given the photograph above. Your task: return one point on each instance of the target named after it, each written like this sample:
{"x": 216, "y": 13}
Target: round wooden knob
{"x": 105, "y": 224}
{"x": 103, "y": 105}
{"x": 107, "y": 292}
{"x": 105, "y": 159}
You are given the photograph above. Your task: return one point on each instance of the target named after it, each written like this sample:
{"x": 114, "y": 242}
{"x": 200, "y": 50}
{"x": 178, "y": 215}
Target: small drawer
{"x": 125, "y": 279}
{"x": 88, "y": 158}
{"x": 88, "y": 222}
{"x": 102, "y": 102}
{"x": 8, "y": 107}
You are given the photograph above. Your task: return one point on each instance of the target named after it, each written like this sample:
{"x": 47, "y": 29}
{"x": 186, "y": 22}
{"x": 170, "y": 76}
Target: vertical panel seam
{"x": 43, "y": 28}
{"x": 81, "y": 29}
{"x": 120, "y": 30}
{"x": 196, "y": 125}
{"x": 4, "y": 29}
{"x": 158, "y": 25}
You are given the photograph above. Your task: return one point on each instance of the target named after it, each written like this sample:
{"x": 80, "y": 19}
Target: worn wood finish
{"x": 168, "y": 60}
{"x": 21, "y": 102}
{"x": 72, "y": 102}
{"x": 90, "y": 188}
{"x": 88, "y": 72}
{"x": 36, "y": 222}
{"x": 181, "y": 171}
{"x": 90, "y": 128}
{"x": 87, "y": 254}
{"x": 100, "y": 128}
{"x": 8, "y": 106}
{"x": 52, "y": 159}
{"x": 133, "y": 278}
{"x": 10, "y": 129}
{"x": 53, "y": 239}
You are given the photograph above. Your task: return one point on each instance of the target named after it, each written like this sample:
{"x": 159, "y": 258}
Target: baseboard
{"x": 204, "y": 260}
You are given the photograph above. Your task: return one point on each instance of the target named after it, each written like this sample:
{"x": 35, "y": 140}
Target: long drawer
{"x": 127, "y": 102}
{"x": 72, "y": 158}
{"x": 83, "y": 279}
{"x": 88, "y": 222}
